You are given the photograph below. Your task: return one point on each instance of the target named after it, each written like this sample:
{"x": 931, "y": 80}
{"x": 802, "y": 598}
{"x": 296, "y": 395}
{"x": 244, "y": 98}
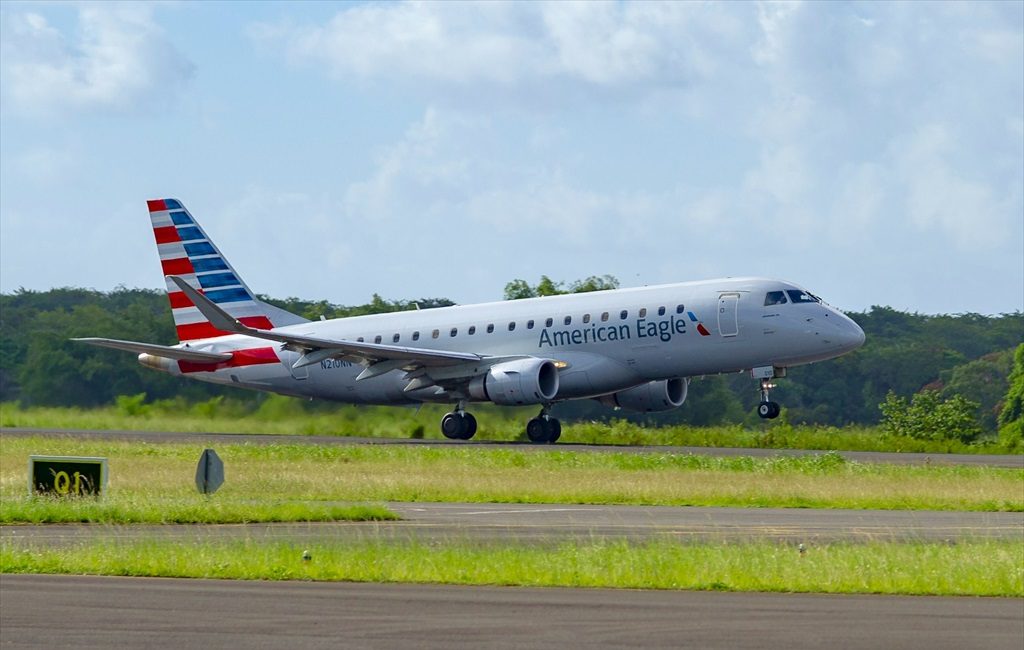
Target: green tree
{"x": 927, "y": 417}
{"x": 1011, "y": 418}
{"x": 548, "y": 287}
{"x": 594, "y": 283}
{"x": 983, "y": 381}
{"x": 519, "y": 289}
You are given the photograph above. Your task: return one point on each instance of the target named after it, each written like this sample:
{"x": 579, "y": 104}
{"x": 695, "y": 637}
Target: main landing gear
{"x": 544, "y": 428}
{"x": 767, "y": 409}
{"x": 458, "y": 425}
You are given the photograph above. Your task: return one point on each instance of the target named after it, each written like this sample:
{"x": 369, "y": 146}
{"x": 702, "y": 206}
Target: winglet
{"x": 219, "y": 318}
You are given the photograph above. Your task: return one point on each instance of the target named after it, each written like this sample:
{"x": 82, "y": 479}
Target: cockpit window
{"x": 802, "y": 296}
{"x": 775, "y": 298}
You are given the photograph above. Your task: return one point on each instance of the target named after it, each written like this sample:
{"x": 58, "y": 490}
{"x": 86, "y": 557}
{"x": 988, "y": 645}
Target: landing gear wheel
{"x": 451, "y": 426}
{"x": 536, "y": 431}
{"x": 469, "y": 423}
{"x": 458, "y": 425}
{"x": 554, "y": 430}
{"x": 543, "y": 429}
{"x": 768, "y": 410}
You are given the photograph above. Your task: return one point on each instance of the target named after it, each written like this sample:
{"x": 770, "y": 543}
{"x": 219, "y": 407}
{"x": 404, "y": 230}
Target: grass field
{"x": 984, "y": 568}
{"x": 279, "y": 415}
{"x": 191, "y": 509}
{"x": 159, "y": 477}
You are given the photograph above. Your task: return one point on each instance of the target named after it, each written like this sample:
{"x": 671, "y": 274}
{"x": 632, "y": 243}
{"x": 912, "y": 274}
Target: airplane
{"x": 634, "y": 349}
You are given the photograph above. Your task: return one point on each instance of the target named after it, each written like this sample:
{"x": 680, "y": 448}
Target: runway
{"x": 989, "y": 460}
{"x": 543, "y": 523}
{"x": 92, "y": 612}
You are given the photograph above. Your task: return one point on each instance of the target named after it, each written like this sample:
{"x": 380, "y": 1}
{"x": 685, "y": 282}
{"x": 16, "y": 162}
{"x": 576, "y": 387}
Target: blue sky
{"x": 871, "y": 152}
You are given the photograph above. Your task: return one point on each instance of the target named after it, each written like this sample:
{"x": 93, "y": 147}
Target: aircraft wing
{"x": 378, "y": 358}
{"x": 179, "y": 354}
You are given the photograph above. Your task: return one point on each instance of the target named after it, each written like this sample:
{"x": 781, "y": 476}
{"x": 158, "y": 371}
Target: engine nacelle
{"x": 512, "y": 383}
{"x": 663, "y": 395}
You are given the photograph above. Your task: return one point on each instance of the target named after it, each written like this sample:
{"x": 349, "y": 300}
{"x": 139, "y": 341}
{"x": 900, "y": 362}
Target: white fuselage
{"x": 602, "y": 342}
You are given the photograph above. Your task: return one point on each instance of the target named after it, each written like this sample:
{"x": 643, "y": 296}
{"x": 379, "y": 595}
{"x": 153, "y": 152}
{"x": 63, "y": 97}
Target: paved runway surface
{"x": 203, "y": 614}
{"x": 1012, "y": 460}
{"x": 528, "y": 523}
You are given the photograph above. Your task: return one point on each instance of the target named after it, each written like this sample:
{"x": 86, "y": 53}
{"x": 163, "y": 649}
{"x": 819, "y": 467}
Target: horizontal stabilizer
{"x": 179, "y": 354}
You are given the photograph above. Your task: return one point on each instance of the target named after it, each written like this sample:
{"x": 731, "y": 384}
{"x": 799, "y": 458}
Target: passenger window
{"x": 661, "y": 311}
{"x": 624, "y": 314}
{"x": 643, "y": 312}
{"x": 395, "y": 338}
{"x": 568, "y": 320}
{"x": 490, "y": 328}
{"x": 604, "y": 317}
{"x": 680, "y": 309}
{"x": 435, "y": 333}
{"x": 472, "y": 330}
{"x": 511, "y": 326}
{"x": 377, "y": 339}
{"x": 801, "y": 296}
{"x": 529, "y": 324}
{"x": 586, "y": 318}
{"x": 774, "y": 298}
{"x": 415, "y": 336}
{"x": 549, "y": 322}
{"x": 455, "y": 330}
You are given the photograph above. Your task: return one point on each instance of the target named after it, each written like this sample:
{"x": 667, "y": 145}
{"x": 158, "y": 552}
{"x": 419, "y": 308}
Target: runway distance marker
{"x": 67, "y": 476}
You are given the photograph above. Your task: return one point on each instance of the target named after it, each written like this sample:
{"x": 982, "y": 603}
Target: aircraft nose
{"x": 852, "y": 336}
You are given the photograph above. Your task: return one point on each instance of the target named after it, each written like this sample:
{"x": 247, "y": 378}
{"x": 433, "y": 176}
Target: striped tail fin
{"x": 186, "y": 251}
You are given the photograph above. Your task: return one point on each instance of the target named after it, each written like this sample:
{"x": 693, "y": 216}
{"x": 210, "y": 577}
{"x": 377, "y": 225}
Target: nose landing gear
{"x": 767, "y": 409}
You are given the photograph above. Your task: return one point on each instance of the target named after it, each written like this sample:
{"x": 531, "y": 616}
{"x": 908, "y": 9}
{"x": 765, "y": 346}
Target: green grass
{"x": 982, "y": 568}
{"x": 291, "y": 473}
{"x": 280, "y": 415}
{"x": 194, "y": 509}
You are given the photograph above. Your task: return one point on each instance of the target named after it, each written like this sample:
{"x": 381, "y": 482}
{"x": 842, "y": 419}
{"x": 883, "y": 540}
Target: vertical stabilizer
{"x": 186, "y": 251}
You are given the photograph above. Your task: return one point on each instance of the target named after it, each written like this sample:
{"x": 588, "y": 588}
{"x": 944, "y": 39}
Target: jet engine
{"x": 513, "y": 383}
{"x": 663, "y": 395}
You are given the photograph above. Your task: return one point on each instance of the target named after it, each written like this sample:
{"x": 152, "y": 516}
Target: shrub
{"x": 1011, "y": 436}
{"x": 132, "y": 405}
{"x": 927, "y": 417}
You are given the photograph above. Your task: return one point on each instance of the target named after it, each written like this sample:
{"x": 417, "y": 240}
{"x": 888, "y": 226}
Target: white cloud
{"x": 440, "y": 172}
{"x": 118, "y": 60}
{"x": 941, "y": 196}
{"x": 531, "y": 44}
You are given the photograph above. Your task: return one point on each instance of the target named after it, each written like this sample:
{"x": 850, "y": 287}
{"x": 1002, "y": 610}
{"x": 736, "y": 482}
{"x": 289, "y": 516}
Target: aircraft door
{"x": 727, "y": 316}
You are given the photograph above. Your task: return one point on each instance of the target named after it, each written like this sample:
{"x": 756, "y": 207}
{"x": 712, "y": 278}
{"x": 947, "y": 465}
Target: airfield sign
{"x": 210, "y": 472}
{"x": 67, "y": 476}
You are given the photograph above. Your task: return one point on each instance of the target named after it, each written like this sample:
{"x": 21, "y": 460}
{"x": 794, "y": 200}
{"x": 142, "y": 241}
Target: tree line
{"x": 969, "y": 355}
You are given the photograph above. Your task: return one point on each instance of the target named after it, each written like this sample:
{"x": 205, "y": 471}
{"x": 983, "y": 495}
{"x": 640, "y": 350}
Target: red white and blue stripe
{"x": 186, "y": 251}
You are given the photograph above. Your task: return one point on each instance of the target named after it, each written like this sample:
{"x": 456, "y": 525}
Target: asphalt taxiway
{"x": 40, "y": 611}
{"x": 543, "y": 523}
